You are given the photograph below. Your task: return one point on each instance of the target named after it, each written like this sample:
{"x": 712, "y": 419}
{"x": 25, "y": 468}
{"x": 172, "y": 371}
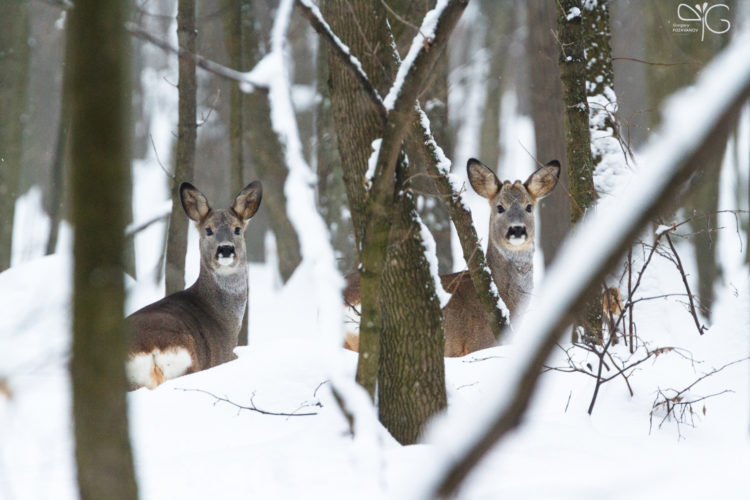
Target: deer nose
{"x": 225, "y": 251}
{"x": 516, "y": 231}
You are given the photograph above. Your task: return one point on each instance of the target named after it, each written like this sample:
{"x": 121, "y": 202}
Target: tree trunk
{"x": 580, "y": 160}
{"x": 57, "y": 190}
{"x": 549, "y": 121}
{"x": 98, "y": 53}
{"x": 232, "y": 19}
{"x": 14, "y": 72}
{"x": 332, "y": 201}
{"x": 411, "y": 378}
{"x": 401, "y": 318}
{"x": 186, "y": 139}
{"x": 267, "y": 154}
{"x": 434, "y": 100}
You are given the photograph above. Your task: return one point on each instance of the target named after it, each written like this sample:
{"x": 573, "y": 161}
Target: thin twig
{"x": 693, "y": 312}
{"x": 249, "y": 408}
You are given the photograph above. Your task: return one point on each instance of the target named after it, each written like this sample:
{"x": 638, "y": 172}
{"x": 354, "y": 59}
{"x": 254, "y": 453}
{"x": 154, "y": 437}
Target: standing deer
{"x": 197, "y": 328}
{"x": 510, "y": 256}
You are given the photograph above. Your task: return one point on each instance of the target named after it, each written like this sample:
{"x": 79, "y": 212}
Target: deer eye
{"x": 209, "y": 231}
{"x": 528, "y": 208}
{"x": 500, "y": 209}
{"x": 236, "y": 230}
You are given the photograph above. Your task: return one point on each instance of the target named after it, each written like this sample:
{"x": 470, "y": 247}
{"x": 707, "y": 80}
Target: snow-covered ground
{"x": 189, "y": 445}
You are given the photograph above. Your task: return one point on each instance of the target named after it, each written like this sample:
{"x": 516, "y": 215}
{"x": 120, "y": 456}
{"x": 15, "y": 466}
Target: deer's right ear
{"x": 482, "y": 179}
{"x": 248, "y": 201}
{"x": 193, "y": 202}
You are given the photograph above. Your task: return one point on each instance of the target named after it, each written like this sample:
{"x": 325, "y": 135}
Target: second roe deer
{"x": 197, "y": 328}
{"x": 510, "y": 256}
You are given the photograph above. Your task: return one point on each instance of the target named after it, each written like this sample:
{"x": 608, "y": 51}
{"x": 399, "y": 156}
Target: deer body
{"x": 197, "y": 328}
{"x": 510, "y": 256}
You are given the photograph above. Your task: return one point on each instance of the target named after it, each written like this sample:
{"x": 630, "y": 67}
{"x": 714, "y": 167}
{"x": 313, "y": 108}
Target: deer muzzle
{"x": 517, "y": 235}
{"x": 225, "y": 255}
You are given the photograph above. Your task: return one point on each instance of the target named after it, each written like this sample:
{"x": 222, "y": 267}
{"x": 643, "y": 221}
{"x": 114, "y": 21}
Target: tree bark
{"x": 411, "y": 378}
{"x": 573, "y": 75}
{"x": 186, "y": 139}
{"x": 267, "y": 155}
{"x": 98, "y": 53}
{"x": 549, "y": 121}
{"x": 332, "y": 200}
{"x": 232, "y": 20}
{"x": 14, "y": 73}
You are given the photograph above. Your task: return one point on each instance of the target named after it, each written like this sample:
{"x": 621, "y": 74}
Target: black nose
{"x": 225, "y": 251}
{"x": 516, "y": 231}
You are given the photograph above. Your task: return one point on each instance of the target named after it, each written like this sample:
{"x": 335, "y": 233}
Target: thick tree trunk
{"x": 98, "y": 52}
{"x": 411, "y": 378}
{"x": 267, "y": 155}
{"x": 14, "y": 72}
{"x": 401, "y": 318}
{"x": 186, "y": 139}
{"x": 580, "y": 160}
{"x": 547, "y": 112}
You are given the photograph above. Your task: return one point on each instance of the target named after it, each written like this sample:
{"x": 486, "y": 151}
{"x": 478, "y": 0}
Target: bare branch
{"x": 252, "y": 406}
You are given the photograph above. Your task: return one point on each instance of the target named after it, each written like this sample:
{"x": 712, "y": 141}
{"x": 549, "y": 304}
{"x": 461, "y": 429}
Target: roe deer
{"x": 197, "y": 328}
{"x": 510, "y": 256}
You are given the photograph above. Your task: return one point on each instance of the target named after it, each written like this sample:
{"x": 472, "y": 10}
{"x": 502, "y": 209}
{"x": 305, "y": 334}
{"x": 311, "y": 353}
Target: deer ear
{"x": 482, "y": 179}
{"x": 247, "y": 202}
{"x": 544, "y": 180}
{"x": 193, "y": 202}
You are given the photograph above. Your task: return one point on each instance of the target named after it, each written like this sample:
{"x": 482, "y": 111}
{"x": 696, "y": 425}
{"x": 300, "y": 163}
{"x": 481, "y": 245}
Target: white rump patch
{"x": 517, "y": 241}
{"x": 154, "y": 368}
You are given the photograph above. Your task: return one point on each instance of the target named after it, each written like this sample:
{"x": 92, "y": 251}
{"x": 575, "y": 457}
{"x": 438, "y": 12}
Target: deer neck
{"x": 225, "y": 294}
{"x": 513, "y": 273}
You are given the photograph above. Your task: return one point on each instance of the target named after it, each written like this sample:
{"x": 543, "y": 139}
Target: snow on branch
{"x": 311, "y": 12}
{"x": 315, "y": 246}
{"x": 693, "y": 118}
{"x": 200, "y": 61}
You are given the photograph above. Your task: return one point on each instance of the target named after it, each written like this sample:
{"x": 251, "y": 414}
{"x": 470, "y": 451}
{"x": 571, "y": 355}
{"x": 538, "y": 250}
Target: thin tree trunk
{"x": 255, "y": 234}
{"x": 549, "y": 121}
{"x": 232, "y": 19}
{"x": 186, "y": 139}
{"x": 580, "y": 160}
{"x": 267, "y": 155}
{"x": 14, "y": 72}
{"x": 57, "y": 190}
{"x": 98, "y": 52}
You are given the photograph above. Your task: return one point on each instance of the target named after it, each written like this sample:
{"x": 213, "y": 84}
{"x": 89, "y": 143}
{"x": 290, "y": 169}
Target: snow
{"x": 372, "y": 162}
{"x": 430, "y": 253}
{"x": 596, "y": 237}
{"x": 573, "y": 13}
{"x": 426, "y": 32}
{"x": 187, "y": 445}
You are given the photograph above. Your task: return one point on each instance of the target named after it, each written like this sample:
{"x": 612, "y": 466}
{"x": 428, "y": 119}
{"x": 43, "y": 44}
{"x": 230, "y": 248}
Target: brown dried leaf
{"x": 704, "y": 410}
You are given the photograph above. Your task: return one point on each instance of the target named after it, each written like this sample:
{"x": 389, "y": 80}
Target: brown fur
{"x": 204, "y": 319}
{"x": 464, "y": 322}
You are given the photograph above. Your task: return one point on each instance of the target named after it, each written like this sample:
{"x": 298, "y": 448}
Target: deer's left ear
{"x": 247, "y": 202}
{"x": 544, "y": 180}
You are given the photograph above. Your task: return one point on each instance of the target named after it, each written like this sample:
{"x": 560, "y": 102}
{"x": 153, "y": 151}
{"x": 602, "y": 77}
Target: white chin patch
{"x": 516, "y": 241}
{"x": 225, "y": 261}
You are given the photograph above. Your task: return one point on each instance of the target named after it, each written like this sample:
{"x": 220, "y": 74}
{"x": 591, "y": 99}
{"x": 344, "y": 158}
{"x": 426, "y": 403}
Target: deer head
{"x": 222, "y": 232}
{"x": 512, "y": 203}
